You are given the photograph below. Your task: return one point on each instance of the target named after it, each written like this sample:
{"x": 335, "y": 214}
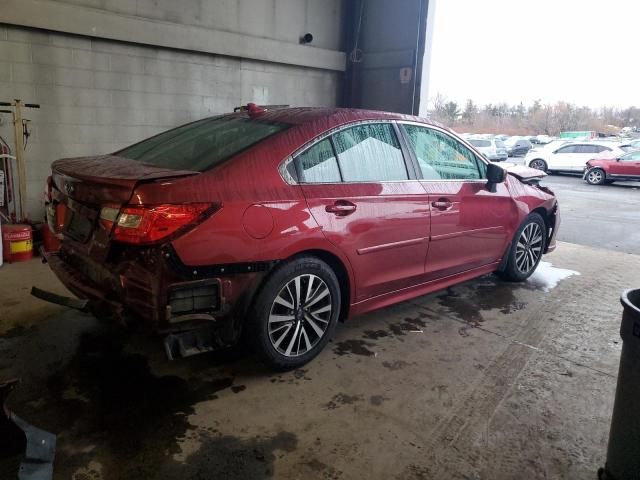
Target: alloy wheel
{"x": 538, "y": 165}
{"x": 595, "y": 176}
{"x": 300, "y": 315}
{"x": 529, "y": 247}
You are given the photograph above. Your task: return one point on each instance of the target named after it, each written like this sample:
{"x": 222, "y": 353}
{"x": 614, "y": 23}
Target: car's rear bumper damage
{"x": 194, "y": 308}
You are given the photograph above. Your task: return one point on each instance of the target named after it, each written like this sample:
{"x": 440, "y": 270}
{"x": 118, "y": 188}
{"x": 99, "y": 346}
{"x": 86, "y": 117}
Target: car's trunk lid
{"x": 106, "y": 178}
{"x": 83, "y": 186}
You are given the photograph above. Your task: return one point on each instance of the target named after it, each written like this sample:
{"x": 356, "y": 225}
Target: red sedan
{"x": 277, "y": 224}
{"x": 608, "y": 170}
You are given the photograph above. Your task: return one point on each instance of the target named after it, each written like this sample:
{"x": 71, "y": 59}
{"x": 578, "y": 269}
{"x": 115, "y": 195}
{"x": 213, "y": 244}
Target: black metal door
{"x": 385, "y": 51}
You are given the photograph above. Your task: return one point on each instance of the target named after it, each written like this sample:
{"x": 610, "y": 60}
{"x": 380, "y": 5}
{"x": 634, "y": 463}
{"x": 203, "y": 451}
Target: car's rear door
{"x": 363, "y": 193}
{"x": 470, "y": 224}
{"x": 584, "y": 153}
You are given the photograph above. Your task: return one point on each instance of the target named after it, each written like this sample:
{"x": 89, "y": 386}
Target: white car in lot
{"x": 570, "y": 157}
{"x": 491, "y": 148}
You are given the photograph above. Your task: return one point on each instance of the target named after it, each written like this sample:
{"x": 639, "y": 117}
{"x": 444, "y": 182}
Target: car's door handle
{"x": 442, "y": 204}
{"x": 341, "y": 208}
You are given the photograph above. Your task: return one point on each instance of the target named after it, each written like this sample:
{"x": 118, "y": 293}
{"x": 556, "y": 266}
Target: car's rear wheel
{"x": 526, "y": 249}
{"x": 596, "y": 176}
{"x": 295, "y": 312}
{"x": 538, "y": 164}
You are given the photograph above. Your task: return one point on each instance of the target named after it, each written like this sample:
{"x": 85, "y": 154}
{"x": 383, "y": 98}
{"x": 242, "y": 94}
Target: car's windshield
{"x": 202, "y": 145}
{"x": 479, "y": 143}
{"x": 499, "y": 143}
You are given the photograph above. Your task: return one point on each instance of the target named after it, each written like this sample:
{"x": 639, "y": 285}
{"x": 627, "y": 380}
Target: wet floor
{"x": 486, "y": 379}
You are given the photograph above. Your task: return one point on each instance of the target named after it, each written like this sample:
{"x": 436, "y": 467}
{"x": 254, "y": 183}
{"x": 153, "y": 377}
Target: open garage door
{"x": 386, "y": 47}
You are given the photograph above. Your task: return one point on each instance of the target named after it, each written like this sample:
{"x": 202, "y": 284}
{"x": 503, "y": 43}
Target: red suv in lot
{"x": 608, "y": 170}
{"x": 276, "y": 224}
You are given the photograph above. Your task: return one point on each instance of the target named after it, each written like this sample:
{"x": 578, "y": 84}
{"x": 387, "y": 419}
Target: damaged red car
{"x": 608, "y": 170}
{"x": 277, "y": 224}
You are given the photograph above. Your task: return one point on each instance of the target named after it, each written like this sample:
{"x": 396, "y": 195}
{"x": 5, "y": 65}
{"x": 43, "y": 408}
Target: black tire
{"x": 514, "y": 270}
{"x": 596, "y": 176}
{"x": 274, "y": 300}
{"x": 539, "y": 164}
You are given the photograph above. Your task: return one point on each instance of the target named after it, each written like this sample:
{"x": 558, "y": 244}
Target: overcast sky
{"x": 582, "y": 51}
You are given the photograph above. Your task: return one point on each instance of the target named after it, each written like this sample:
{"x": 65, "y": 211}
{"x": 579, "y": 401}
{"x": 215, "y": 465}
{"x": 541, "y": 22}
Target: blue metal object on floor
{"x": 40, "y": 452}
{"x": 36, "y": 447}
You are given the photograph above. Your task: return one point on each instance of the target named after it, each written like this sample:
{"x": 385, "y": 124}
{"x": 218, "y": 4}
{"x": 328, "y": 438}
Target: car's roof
{"x": 602, "y": 143}
{"x": 334, "y": 116}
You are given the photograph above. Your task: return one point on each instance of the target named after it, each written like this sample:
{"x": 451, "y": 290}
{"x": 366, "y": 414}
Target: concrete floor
{"x": 484, "y": 380}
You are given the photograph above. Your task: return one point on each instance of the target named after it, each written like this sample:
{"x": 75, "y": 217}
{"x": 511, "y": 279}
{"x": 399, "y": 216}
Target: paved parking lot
{"x": 484, "y": 380}
{"x": 605, "y": 216}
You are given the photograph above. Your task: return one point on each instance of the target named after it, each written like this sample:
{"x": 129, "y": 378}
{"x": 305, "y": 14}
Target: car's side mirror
{"x": 495, "y": 175}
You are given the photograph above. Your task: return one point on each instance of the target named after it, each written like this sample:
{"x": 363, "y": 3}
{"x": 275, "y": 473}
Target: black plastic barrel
{"x": 623, "y": 452}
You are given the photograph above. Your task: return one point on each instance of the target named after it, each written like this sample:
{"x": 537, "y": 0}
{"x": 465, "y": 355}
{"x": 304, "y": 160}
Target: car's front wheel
{"x": 538, "y": 164}
{"x": 526, "y": 249}
{"x": 595, "y": 176}
{"x": 295, "y": 313}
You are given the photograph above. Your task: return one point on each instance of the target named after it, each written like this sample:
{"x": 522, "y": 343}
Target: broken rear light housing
{"x": 146, "y": 224}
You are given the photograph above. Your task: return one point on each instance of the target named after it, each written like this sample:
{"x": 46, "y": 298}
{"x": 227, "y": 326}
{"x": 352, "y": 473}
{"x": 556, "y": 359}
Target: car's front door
{"x": 628, "y": 165}
{"x": 470, "y": 223}
{"x": 563, "y": 158}
{"x": 363, "y": 194}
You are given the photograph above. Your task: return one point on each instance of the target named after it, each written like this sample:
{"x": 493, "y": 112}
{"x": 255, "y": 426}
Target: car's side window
{"x": 631, "y": 157}
{"x": 602, "y": 148}
{"x": 441, "y": 157}
{"x": 584, "y": 149}
{"x": 370, "y": 153}
{"x": 567, "y": 149}
{"x": 319, "y": 164}
{"x": 593, "y": 149}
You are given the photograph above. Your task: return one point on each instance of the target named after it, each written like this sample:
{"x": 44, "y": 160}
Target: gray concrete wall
{"x": 284, "y": 20}
{"x": 98, "y": 95}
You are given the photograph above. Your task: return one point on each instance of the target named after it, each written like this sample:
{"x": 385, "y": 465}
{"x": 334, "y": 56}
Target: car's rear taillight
{"x": 145, "y": 224}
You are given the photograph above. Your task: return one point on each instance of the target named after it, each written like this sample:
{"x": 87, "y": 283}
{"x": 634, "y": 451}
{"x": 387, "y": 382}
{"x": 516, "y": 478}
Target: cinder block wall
{"x": 99, "y": 95}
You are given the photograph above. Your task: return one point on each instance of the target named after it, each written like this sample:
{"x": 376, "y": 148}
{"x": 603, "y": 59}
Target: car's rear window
{"x": 480, "y": 143}
{"x": 499, "y": 144}
{"x": 202, "y": 145}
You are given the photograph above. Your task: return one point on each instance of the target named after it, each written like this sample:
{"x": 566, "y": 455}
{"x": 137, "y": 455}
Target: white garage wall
{"x": 99, "y": 95}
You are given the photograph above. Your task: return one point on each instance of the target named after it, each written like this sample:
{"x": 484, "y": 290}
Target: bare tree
{"x": 535, "y": 119}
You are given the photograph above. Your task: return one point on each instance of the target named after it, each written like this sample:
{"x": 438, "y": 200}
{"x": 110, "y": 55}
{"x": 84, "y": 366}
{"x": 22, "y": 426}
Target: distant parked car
{"x": 493, "y": 149}
{"x": 571, "y": 157}
{"x": 627, "y": 147}
{"x": 541, "y": 151}
{"x": 517, "y": 146}
{"x": 607, "y": 170}
{"x": 545, "y": 139}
